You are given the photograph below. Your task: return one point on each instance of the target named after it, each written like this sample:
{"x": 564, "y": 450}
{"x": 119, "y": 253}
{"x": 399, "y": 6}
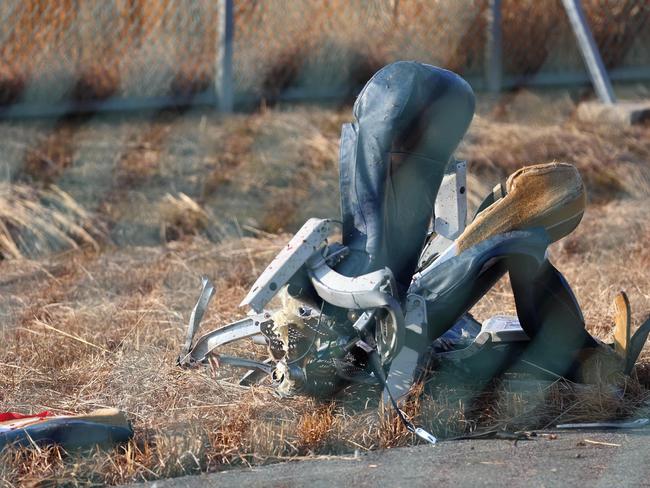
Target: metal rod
{"x": 223, "y": 79}
{"x": 589, "y": 51}
{"x": 493, "y": 48}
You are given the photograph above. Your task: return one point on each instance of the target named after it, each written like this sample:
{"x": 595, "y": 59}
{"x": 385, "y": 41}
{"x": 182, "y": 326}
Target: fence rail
{"x": 65, "y": 55}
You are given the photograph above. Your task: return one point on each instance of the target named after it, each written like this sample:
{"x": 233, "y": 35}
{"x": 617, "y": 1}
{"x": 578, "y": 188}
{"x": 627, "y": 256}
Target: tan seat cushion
{"x": 545, "y": 195}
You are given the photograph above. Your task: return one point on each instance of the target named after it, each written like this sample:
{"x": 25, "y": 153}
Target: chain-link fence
{"x": 538, "y": 40}
{"x": 97, "y": 49}
{"x": 167, "y": 50}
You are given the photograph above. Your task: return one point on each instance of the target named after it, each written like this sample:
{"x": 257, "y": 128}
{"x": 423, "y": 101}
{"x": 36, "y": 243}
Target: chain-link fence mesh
{"x": 537, "y": 36}
{"x": 97, "y": 49}
{"x": 337, "y": 44}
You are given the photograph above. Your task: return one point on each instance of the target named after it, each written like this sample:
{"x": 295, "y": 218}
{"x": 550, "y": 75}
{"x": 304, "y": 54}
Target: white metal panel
{"x": 451, "y": 203}
{"x": 299, "y": 249}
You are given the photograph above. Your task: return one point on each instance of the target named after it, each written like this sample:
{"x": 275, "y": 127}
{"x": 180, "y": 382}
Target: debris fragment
{"x": 100, "y": 427}
{"x": 600, "y": 443}
{"x": 614, "y": 424}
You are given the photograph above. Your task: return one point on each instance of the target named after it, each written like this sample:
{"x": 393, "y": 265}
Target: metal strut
{"x": 249, "y": 327}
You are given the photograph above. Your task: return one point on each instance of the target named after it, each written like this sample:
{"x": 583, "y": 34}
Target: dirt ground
{"x": 174, "y": 195}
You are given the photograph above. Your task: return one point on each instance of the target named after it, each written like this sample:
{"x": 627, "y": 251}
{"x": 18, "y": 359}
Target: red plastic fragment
{"x": 6, "y": 416}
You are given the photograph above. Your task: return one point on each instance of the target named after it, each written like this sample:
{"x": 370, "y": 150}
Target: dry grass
{"x": 272, "y": 170}
{"x": 102, "y": 327}
{"x": 36, "y": 222}
{"x": 181, "y": 216}
{"x": 613, "y": 162}
{"x": 314, "y": 429}
{"x": 312, "y": 43}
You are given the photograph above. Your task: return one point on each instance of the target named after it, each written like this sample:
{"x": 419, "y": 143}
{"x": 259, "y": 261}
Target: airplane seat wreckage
{"x": 398, "y": 287}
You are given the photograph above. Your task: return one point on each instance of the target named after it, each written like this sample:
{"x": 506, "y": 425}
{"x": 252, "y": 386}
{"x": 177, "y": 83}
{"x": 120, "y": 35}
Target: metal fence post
{"x": 223, "y": 76}
{"x": 493, "y": 58}
{"x": 589, "y": 51}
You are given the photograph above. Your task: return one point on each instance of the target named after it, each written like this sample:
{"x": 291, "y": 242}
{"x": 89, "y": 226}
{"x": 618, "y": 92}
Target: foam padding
{"x": 545, "y": 195}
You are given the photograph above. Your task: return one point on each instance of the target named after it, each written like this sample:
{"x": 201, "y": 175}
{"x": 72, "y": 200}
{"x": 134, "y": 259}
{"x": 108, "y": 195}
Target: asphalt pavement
{"x": 576, "y": 458}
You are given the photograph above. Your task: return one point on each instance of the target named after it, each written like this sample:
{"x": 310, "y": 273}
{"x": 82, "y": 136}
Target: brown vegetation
{"x": 35, "y": 222}
{"x": 160, "y": 48}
